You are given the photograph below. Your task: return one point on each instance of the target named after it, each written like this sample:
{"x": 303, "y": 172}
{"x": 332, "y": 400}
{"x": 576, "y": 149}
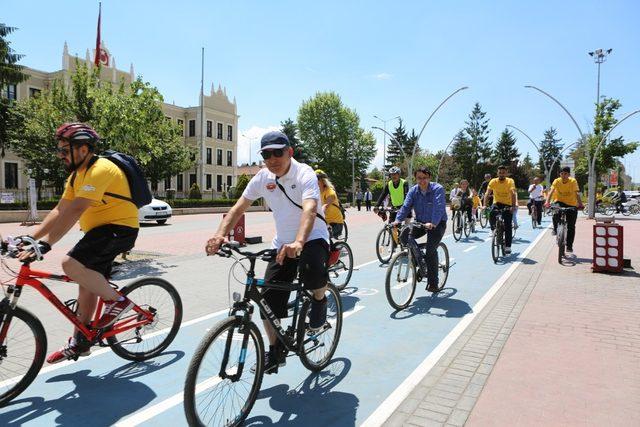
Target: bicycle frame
{"x": 29, "y": 277}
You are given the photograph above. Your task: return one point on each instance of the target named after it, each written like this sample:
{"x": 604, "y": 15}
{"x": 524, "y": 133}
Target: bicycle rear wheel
{"x": 457, "y": 226}
{"x": 443, "y": 265}
{"x": 144, "y": 342}
{"x": 316, "y": 349}
{"x": 340, "y": 272}
{"x": 22, "y": 353}
{"x": 560, "y": 236}
{"x": 400, "y": 282}
{"x": 385, "y": 246}
{"x": 211, "y": 399}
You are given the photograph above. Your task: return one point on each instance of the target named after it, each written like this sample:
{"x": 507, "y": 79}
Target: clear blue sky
{"x": 384, "y": 58}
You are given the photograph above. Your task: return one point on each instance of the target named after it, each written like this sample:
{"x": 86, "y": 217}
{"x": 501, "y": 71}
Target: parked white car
{"x": 157, "y": 211}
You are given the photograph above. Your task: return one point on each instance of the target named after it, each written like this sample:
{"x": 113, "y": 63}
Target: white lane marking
{"x": 385, "y": 410}
{"x": 470, "y": 248}
{"x": 151, "y": 412}
{"x": 488, "y": 239}
{"x": 107, "y": 349}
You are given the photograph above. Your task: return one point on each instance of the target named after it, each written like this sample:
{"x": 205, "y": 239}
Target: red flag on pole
{"x": 98, "y": 47}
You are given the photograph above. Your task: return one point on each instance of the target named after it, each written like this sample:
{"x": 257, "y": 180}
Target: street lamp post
{"x": 410, "y": 177}
{"x": 353, "y": 179}
{"x": 251, "y": 139}
{"x": 384, "y": 138}
{"x": 599, "y": 56}
{"x": 547, "y": 171}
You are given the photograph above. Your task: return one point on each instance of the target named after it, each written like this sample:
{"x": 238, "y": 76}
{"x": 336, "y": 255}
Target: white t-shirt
{"x": 535, "y": 191}
{"x": 300, "y": 183}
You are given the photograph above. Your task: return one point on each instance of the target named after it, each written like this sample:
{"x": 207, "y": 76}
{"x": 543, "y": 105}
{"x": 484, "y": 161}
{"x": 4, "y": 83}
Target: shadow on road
{"x": 311, "y": 403}
{"x": 100, "y": 400}
{"x": 440, "y": 305}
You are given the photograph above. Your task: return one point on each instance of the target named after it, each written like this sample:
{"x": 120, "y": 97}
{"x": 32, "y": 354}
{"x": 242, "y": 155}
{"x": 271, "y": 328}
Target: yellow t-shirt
{"x": 502, "y": 190}
{"x": 332, "y": 214}
{"x": 476, "y": 201}
{"x": 103, "y": 176}
{"x": 565, "y": 192}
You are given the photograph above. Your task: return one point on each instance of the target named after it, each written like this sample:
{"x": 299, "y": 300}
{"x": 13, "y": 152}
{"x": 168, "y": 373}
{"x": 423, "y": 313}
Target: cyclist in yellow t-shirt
{"x": 565, "y": 193}
{"x": 503, "y": 190}
{"x": 110, "y": 225}
{"x": 477, "y": 203}
{"x": 330, "y": 204}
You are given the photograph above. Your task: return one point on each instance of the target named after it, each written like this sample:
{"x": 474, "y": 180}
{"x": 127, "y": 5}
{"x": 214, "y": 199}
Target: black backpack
{"x": 140, "y": 193}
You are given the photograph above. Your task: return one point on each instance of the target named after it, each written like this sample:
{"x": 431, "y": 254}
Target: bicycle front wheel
{"x": 484, "y": 219}
{"x": 235, "y": 350}
{"x": 457, "y": 226}
{"x": 317, "y": 348}
{"x": 345, "y": 232}
{"x": 385, "y": 245}
{"x": 467, "y": 226}
{"x": 534, "y": 217}
{"x": 496, "y": 243}
{"x": 400, "y": 282}
{"x": 340, "y": 272}
{"x": 443, "y": 265}
{"x": 22, "y": 353}
{"x": 560, "y": 236}
{"x": 160, "y": 298}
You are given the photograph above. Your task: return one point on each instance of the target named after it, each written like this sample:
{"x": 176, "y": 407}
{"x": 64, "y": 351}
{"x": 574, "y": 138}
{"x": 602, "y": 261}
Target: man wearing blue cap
{"x": 291, "y": 190}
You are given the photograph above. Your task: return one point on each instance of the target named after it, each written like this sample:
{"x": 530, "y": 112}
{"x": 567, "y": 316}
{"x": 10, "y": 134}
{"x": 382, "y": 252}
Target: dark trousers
{"x": 368, "y": 203}
{"x": 538, "y": 204}
{"x": 507, "y": 217}
{"x": 571, "y": 217}
{"x": 359, "y": 203}
{"x": 434, "y": 236}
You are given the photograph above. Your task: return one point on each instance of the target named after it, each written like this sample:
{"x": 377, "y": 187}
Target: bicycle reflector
{"x": 236, "y": 296}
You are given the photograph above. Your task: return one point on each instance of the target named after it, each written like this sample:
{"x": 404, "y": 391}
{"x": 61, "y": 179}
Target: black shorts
{"x": 313, "y": 274}
{"x": 101, "y": 245}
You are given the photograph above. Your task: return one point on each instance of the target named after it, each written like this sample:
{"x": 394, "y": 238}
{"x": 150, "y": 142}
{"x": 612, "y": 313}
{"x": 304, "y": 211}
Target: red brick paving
{"x": 573, "y": 357}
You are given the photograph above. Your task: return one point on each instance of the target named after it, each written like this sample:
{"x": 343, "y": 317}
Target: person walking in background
{"x": 359, "y": 199}
{"x": 367, "y": 199}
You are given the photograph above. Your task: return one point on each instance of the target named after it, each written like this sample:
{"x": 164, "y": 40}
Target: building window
{"x": 11, "y": 92}
{"x": 192, "y": 128}
{"x": 167, "y": 183}
{"x": 181, "y": 125}
{"x": 192, "y": 179}
{"x": 209, "y": 181}
{"x": 229, "y": 133}
{"x": 219, "y": 157}
{"x": 229, "y": 158}
{"x": 209, "y": 129}
{"x": 229, "y": 182}
{"x": 218, "y": 183}
{"x": 219, "y": 130}
{"x": 10, "y": 175}
{"x": 180, "y": 182}
{"x": 167, "y": 118}
{"x": 33, "y": 92}
{"x": 209, "y": 156}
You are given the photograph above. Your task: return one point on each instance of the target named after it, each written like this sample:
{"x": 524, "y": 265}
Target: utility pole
{"x": 599, "y": 56}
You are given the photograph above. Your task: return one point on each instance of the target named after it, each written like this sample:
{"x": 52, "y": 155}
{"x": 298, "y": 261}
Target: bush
{"x": 376, "y": 190}
{"x": 21, "y": 206}
{"x": 243, "y": 180}
{"x": 194, "y": 192}
{"x": 199, "y": 203}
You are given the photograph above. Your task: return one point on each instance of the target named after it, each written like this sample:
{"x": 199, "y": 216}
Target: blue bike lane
{"x": 378, "y": 350}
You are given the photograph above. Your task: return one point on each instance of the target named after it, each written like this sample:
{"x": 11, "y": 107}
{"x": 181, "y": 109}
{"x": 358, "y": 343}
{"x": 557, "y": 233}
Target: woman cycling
{"x": 330, "y": 204}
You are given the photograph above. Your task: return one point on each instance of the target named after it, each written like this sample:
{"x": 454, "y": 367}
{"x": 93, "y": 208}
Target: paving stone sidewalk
{"x": 556, "y": 345}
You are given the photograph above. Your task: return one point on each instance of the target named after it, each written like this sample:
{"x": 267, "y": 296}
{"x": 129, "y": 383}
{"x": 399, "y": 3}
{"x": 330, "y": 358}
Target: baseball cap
{"x": 274, "y": 140}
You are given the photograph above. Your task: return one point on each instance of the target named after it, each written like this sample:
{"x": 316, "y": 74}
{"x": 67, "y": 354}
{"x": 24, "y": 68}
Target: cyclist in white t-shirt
{"x": 536, "y": 198}
{"x": 301, "y": 236}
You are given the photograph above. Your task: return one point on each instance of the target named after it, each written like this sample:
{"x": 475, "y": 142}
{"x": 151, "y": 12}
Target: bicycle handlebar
{"x": 10, "y": 246}
{"x": 227, "y": 248}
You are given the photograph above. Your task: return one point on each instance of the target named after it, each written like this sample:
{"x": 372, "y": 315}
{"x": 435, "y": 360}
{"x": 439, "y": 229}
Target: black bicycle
{"x": 404, "y": 271}
{"x": 561, "y": 229}
{"x": 498, "y": 241}
{"x": 387, "y": 240}
{"x": 225, "y": 373}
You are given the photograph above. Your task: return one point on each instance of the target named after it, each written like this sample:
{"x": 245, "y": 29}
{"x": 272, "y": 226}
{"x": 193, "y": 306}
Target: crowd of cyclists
{"x": 306, "y": 210}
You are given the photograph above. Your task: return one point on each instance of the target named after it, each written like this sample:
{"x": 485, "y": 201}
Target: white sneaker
{"x": 507, "y": 250}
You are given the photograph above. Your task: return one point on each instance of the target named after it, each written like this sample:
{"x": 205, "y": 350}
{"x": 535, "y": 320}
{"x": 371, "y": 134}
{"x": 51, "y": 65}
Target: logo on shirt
{"x": 88, "y": 188}
{"x": 271, "y": 186}
{"x": 293, "y": 187}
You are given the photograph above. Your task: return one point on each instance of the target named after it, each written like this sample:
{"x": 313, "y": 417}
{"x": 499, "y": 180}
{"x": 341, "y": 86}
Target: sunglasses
{"x": 278, "y": 152}
{"x": 63, "y": 150}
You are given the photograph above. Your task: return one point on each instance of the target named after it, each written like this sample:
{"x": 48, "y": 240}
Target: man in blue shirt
{"x": 428, "y": 201}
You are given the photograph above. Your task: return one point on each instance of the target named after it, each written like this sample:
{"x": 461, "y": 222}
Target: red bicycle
{"x": 143, "y": 333}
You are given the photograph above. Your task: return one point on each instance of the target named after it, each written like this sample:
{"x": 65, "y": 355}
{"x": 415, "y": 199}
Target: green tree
{"x": 550, "y": 148}
{"x": 395, "y": 146}
{"x": 290, "y": 128}
{"x": 610, "y": 152}
{"x": 332, "y": 134}
{"x": 471, "y": 149}
{"x": 243, "y": 180}
{"x": 375, "y": 174}
{"x": 525, "y": 172}
{"x": 506, "y": 152}
{"x": 11, "y": 73}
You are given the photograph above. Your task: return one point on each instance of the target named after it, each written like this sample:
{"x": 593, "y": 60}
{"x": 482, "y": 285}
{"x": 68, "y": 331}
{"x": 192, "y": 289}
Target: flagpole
{"x": 202, "y": 151}
{"x": 96, "y": 60}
